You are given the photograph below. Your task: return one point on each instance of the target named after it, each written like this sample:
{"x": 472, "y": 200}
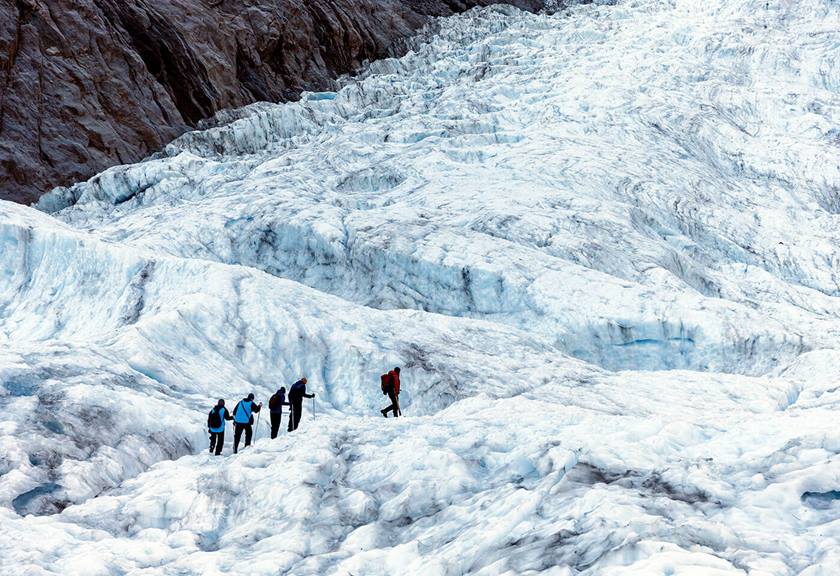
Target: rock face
{"x": 85, "y": 84}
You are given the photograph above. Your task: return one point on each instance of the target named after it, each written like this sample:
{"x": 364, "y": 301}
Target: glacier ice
{"x": 585, "y": 231}
{"x": 602, "y": 243}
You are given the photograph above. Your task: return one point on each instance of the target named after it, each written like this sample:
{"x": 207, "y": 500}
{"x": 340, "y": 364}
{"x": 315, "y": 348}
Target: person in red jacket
{"x": 391, "y": 387}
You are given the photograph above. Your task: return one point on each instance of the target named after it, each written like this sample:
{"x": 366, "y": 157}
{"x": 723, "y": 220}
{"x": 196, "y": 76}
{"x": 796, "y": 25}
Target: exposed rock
{"x": 85, "y": 84}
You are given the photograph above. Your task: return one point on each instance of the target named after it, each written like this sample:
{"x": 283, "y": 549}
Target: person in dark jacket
{"x": 296, "y": 395}
{"x": 391, "y": 387}
{"x": 243, "y": 420}
{"x": 216, "y": 426}
{"x": 275, "y": 407}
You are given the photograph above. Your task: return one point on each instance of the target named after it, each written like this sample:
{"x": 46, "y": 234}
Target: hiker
{"x": 390, "y": 383}
{"x": 275, "y": 407}
{"x": 296, "y": 395}
{"x": 216, "y": 426}
{"x": 243, "y": 419}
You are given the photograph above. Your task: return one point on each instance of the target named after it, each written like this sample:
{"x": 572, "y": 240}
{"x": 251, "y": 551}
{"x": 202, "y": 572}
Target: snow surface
{"x": 603, "y": 244}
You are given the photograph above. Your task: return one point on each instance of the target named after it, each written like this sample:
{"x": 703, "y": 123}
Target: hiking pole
{"x": 257, "y": 431}
{"x": 313, "y": 407}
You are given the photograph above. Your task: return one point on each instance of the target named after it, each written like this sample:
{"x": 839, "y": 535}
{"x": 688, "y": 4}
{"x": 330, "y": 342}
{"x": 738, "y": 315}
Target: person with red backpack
{"x": 390, "y": 384}
{"x": 275, "y": 407}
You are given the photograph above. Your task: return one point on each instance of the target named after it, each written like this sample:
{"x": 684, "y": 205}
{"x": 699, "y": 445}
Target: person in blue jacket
{"x": 216, "y": 426}
{"x": 243, "y": 419}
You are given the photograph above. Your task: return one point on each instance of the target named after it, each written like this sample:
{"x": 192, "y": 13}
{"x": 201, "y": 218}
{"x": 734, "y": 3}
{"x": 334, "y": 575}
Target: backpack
{"x": 276, "y": 401}
{"x": 385, "y": 382}
{"x": 214, "y": 419}
{"x": 247, "y": 412}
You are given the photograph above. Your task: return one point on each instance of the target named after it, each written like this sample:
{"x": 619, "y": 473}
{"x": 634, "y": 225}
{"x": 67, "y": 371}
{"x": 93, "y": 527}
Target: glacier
{"x": 601, "y": 241}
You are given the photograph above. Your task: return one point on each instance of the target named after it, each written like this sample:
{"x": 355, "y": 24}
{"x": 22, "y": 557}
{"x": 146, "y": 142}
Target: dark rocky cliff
{"x": 86, "y": 84}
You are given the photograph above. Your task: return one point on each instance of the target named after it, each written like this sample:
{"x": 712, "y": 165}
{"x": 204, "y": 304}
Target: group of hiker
{"x": 243, "y": 413}
{"x": 243, "y": 416}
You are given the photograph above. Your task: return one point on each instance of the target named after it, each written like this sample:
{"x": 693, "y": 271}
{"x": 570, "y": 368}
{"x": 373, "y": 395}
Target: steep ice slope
{"x": 651, "y": 184}
{"x": 648, "y": 185}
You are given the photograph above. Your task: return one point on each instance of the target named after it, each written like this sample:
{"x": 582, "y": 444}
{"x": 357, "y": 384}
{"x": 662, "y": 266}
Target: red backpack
{"x": 385, "y": 382}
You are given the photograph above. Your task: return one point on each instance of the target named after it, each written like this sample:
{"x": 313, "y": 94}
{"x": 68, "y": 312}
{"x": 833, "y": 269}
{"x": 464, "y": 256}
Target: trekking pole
{"x": 257, "y": 431}
{"x": 313, "y": 407}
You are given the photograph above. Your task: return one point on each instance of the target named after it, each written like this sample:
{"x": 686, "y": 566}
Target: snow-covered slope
{"x": 601, "y": 243}
{"x": 652, "y": 186}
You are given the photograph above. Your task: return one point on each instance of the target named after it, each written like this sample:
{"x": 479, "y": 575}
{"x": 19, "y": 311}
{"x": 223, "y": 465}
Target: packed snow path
{"x": 603, "y": 245}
